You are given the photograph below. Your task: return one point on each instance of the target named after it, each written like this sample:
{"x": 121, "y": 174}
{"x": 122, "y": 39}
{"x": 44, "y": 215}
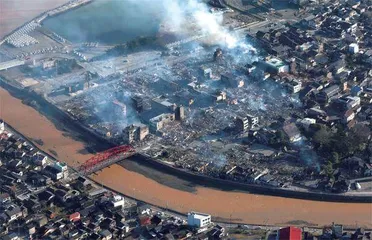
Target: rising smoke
{"x": 188, "y": 17}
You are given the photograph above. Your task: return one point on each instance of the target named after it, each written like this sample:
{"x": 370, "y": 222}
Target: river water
{"x": 240, "y": 207}
{"x": 110, "y": 22}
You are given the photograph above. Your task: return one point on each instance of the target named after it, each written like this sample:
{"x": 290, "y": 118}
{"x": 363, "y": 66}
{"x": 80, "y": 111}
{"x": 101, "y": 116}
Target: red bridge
{"x": 106, "y": 158}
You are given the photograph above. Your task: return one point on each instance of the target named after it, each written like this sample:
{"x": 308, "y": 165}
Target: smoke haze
{"x": 190, "y": 16}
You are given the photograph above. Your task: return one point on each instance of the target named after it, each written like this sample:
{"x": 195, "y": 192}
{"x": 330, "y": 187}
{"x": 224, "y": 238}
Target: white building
{"x": 118, "y": 201}
{"x": 198, "y": 219}
{"x": 40, "y": 159}
{"x": 2, "y": 127}
{"x": 306, "y": 122}
{"x": 62, "y": 167}
{"x": 294, "y": 86}
{"x": 158, "y": 122}
{"x": 253, "y": 120}
{"x": 353, "y": 101}
{"x": 276, "y": 65}
{"x": 353, "y": 48}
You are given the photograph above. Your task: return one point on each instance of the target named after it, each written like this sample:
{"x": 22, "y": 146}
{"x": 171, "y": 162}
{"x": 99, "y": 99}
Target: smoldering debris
{"x": 191, "y": 75}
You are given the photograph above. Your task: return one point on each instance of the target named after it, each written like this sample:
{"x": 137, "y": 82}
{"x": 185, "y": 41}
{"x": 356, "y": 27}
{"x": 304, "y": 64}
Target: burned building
{"x": 231, "y": 80}
{"x": 120, "y": 108}
{"x": 164, "y": 86}
{"x": 162, "y": 105}
{"x": 158, "y": 122}
{"x": 292, "y": 132}
{"x": 294, "y": 86}
{"x": 243, "y": 124}
{"x": 162, "y": 112}
{"x": 138, "y": 103}
{"x": 133, "y": 133}
{"x": 205, "y": 72}
{"x": 217, "y": 55}
{"x": 80, "y": 86}
{"x": 180, "y": 113}
{"x": 109, "y": 111}
{"x": 219, "y": 96}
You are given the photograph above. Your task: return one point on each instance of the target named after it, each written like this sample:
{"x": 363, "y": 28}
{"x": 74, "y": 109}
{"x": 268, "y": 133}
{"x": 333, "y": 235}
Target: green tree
{"x": 328, "y": 169}
{"x": 353, "y": 141}
{"x": 279, "y": 139}
{"x": 335, "y": 158}
{"x": 322, "y": 138}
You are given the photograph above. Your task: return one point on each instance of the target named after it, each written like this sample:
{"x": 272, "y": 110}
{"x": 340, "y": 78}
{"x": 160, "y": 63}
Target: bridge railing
{"x": 106, "y": 158}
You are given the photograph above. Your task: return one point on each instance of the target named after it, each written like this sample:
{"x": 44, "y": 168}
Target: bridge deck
{"x": 105, "y": 159}
{"x": 104, "y": 164}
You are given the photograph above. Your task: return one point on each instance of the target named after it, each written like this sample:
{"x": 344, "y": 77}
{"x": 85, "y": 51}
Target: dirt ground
{"x": 242, "y": 207}
{"x": 13, "y": 13}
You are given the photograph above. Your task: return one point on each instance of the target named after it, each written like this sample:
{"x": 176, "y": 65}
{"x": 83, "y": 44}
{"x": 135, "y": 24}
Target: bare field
{"x": 14, "y": 13}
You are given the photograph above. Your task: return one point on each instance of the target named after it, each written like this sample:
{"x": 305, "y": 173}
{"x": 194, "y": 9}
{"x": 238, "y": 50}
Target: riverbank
{"x": 144, "y": 164}
{"x": 97, "y": 143}
{"x": 243, "y": 207}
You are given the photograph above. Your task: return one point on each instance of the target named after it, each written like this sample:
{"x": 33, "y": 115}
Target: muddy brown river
{"x": 237, "y": 206}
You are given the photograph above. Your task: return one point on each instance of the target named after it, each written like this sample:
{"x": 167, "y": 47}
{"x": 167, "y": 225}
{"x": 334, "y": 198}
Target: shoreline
{"x": 227, "y": 185}
{"x": 52, "y": 112}
{"x": 243, "y": 206}
{"x": 74, "y": 143}
{"x": 45, "y": 15}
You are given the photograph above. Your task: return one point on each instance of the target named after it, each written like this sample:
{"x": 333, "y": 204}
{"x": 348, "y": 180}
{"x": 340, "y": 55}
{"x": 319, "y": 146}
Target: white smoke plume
{"x": 190, "y": 17}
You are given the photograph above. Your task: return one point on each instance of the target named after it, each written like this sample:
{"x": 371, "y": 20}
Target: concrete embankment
{"x": 234, "y": 206}
{"x": 15, "y": 13}
{"x": 62, "y": 9}
{"x": 98, "y": 143}
{"x": 227, "y": 185}
{"x": 62, "y": 120}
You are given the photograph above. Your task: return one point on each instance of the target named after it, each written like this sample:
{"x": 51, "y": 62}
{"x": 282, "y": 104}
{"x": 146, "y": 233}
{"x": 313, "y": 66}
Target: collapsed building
{"x": 217, "y": 55}
{"x": 111, "y": 110}
{"x": 206, "y": 72}
{"x": 243, "y": 124}
{"x": 231, "y": 80}
{"x": 158, "y": 122}
{"x": 161, "y": 113}
{"x": 75, "y": 87}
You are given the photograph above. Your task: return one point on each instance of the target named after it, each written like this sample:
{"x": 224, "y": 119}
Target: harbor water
{"x": 108, "y": 22}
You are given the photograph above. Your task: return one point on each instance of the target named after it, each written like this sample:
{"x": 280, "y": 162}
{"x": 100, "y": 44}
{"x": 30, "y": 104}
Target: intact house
{"x": 327, "y": 94}
{"x": 13, "y": 212}
{"x": 40, "y": 159}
